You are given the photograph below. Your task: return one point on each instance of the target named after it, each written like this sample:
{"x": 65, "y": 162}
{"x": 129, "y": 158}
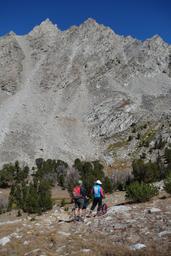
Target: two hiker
{"x": 80, "y": 198}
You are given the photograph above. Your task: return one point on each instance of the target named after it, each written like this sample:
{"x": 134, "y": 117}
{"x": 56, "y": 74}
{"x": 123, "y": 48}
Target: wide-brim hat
{"x": 98, "y": 182}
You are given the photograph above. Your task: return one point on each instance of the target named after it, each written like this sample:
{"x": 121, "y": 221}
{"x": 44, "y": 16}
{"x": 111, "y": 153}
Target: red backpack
{"x": 77, "y": 192}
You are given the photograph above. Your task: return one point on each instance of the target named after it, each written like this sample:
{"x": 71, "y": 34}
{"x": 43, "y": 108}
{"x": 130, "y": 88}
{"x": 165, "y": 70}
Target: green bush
{"x": 51, "y": 170}
{"x": 39, "y": 162}
{"x": 140, "y": 192}
{"x": 147, "y": 138}
{"x": 146, "y": 172}
{"x": 63, "y": 202}
{"x": 34, "y": 197}
{"x": 120, "y": 186}
{"x": 44, "y": 196}
{"x": 11, "y": 173}
{"x": 167, "y": 155}
{"x": 6, "y": 175}
{"x": 167, "y": 184}
{"x": 31, "y": 200}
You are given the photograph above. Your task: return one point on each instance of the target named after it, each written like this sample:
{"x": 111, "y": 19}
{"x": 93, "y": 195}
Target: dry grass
{"x": 58, "y": 193}
{"x": 39, "y": 243}
{"x": 51, "y": 243}
{"x": 103, "y": 246}
{"x": 6, "y": 230}
{"x": 44, "y": 239}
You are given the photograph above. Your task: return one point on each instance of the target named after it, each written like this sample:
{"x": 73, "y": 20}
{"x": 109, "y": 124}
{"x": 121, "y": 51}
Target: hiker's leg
{"x": 76, "y": 212}
{"x": 80, "y": 212}
{"x": 84, "y": 212}
{"x": 99, "y": 204}
{"x": 92, "y": 207}
{"x": 80, "y": 204}
{"x": 85, "y": 207}
{"x": 95, "y": 201}
{"x": 76, "y": 208}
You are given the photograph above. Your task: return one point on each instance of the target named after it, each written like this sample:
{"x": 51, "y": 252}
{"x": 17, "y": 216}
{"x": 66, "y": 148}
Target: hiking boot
{"x": 76, "y": 218}
{"x": 81, "y": 219}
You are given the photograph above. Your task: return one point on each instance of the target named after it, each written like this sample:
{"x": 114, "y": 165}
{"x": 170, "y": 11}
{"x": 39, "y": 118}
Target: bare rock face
{"x": 65, "y": 94}
{"x": 11, "y": 57}
{"x": 42, "y": 38}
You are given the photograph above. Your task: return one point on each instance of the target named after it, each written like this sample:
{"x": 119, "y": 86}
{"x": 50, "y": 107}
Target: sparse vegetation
{"x": 167, "y": 183}
{"x": 167, "y": 155}
{"x": 147, "y": 138}
{"x": 91, "y": 171}
{"x": 12, "y": 172}
{"x": 140, "y": 192}
{"x": 33, "y": 197}
{"x": 51, "y": 170}
{"x": 63, "y": 202}
{"x": 160, "y": 143}
{"x": 33, "y": 194}
{"x": 146, "y": 172}
{"x": 119, "y": 144}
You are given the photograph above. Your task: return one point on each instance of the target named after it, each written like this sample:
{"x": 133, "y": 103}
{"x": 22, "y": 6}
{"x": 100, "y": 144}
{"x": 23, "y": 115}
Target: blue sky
{"x": 141, "y": 19}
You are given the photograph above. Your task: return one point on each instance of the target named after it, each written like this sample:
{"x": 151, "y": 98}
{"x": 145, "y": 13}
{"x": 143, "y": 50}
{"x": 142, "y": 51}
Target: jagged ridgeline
{"x": 78, "y": 93}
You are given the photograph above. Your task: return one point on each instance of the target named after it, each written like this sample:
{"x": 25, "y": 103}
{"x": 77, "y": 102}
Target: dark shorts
{"x": 85, "y": 203}
{"x": 79, "y": 203}
{"x": 96, "y": 201}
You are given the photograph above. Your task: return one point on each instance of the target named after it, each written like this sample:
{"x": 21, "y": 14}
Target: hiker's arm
{"x": 102, "y": 193}
{"x": 83, "y": 192}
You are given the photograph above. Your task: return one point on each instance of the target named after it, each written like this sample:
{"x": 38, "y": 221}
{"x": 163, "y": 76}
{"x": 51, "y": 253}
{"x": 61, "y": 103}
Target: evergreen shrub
{"x": 140, "y": 192}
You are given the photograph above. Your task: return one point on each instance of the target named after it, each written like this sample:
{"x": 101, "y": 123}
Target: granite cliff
{"x": 77, "y": 93}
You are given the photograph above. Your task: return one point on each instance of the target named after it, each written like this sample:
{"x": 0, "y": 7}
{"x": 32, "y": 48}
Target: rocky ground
{"x": 126, "y": 229}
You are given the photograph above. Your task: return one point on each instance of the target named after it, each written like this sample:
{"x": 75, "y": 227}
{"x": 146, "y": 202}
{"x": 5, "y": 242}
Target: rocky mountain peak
{"x": 156, "y": 43}
{"x": 67, "y": 94}
{"x": 12, "y": 33}
{"x": 90, "y": 25}
{"x": 45, "y": 27}
{"x": 157, "y": 38}
{"x": 90, "y": 22}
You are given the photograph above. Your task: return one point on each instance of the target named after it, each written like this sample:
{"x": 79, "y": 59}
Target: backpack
{"x": 77, "y": 192}
{"x": 96, "y": 191}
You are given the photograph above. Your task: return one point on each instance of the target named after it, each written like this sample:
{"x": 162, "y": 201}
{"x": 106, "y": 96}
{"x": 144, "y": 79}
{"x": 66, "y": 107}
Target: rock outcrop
{"x": 65, "y": 94}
